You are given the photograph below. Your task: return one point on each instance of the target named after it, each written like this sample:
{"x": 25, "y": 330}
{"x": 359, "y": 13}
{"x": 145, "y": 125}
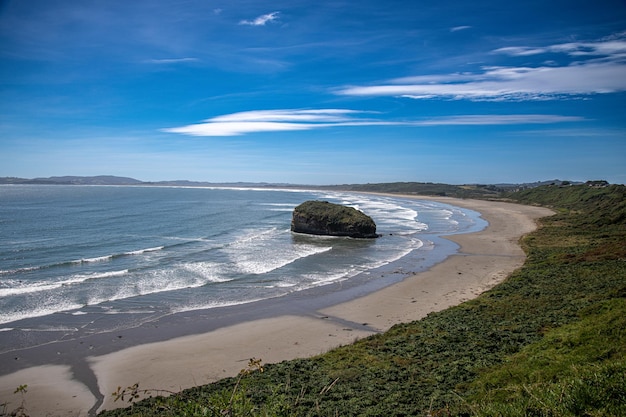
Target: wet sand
{"x": 484, "y": 259}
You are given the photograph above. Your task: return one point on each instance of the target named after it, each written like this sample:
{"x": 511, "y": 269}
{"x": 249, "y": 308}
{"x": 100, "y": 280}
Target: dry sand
{"x": 50, "y": 391}
{"x": 484, "y": 259}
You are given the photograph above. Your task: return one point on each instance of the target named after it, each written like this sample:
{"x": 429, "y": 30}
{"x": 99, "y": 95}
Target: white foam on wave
{"x": 395, "y": 216}
{"x": 180, "y": 277}
{"x": 187, "y": 239}
{"x": 96, "y": 259}
{"x": 19, "y": 270}
{"x": 105, "y": 258}
{"x": 262, "y": 251}
{"x": 446, "y": 216}
{"x": 197, "y": 275}
{"x": 252, "y": 263}
{"x": 254, "y": 236}
{"x": 118, "y": 312}
{"x": 390, "y": 214}
{"x": 24, "y": 287}
{"x": 38, "y": 311}
{"x": 21, "y": 288}
{"x": 316, "y": 280}
{"x": 100, "y": 275}
{"x": 120, "y": 293}
{"x": 206, "y": 305}
{"x": 286, "y": 205}
{"x": 282, "y": 284}
{"x": 414, "y": 244}
{"x": 208, "y": 271}
{"x": 142, "y": 251}
{"x": 50, "y": 329}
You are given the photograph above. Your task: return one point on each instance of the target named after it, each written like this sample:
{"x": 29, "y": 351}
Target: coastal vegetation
{"x": 430, "y": 189}
{"x": 549, "y": 341}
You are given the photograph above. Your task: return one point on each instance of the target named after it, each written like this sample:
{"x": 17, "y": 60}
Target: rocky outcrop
{"x": 324, "y": 218}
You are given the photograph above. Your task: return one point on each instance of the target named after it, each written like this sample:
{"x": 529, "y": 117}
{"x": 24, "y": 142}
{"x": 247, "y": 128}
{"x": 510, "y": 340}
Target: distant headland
{"x": 410, "y": 188}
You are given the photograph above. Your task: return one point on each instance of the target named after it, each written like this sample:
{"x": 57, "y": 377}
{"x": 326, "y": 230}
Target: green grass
{"x": 577, "y": 369}
{"x": 549, "y": 341}
{"x": 432, "y": 189}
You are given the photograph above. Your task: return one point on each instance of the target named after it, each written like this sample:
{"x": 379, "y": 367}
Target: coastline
{"x": 484, "y": 259}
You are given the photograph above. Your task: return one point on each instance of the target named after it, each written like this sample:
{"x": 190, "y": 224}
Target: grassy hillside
{"x": 425, "y": 188}
{"x": 598, "y": 205}
{"x": 549, "y": 341}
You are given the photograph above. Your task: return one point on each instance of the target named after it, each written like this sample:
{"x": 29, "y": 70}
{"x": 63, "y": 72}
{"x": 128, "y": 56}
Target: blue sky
{"x": 314, "y": 92}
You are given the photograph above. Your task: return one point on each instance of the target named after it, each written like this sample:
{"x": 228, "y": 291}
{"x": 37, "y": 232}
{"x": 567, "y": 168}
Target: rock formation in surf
{"x": 324, "y": 218}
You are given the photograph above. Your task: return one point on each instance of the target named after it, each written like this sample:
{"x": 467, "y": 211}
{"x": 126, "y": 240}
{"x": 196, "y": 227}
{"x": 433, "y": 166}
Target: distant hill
{"x": 97, "y": 180}
{"x": 73, "y": 180}
{"x": 447, "y": 190}
{"x": 416, "y": 188}
{"x": 114, "y": 180}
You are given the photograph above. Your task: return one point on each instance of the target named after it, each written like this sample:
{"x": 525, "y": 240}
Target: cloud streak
{"x": 261, "y": 20}
{"x": 258, "y": 121}
{"x": 498, "y": 119}
{"x": 171, "y": 60}
{"x": 612, "y": 48}
{"x": 598, "y": 68}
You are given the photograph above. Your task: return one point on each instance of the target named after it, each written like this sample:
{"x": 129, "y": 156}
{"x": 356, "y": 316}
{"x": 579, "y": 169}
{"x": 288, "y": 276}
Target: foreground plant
{"x": 224, "y": 403}
{"x": 20, "y": 411}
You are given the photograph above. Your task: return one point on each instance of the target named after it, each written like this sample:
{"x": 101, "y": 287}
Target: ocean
{"x": 78, "y": 260}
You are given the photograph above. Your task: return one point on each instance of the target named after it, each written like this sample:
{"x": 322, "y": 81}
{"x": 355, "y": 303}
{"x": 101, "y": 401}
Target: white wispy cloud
{"x": 498, "y": 119}
{"x": 257, "y": 121}
{"x": 270, "y": 121}
{"x": 458, "y": 28}
{"x": 302, "y": 115}
{"x": 598, "y": 68}
{"x": 612, "y": 48}
{"x": 261, "y": 20}
{"x": 170, "y": 60}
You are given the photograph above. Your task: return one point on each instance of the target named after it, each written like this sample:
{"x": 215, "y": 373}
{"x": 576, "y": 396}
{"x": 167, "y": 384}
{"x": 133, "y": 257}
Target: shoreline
{"x": 176, "y": 360}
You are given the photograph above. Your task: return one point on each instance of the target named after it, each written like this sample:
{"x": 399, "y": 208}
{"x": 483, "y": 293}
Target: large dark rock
{"x": 324, "y": 218}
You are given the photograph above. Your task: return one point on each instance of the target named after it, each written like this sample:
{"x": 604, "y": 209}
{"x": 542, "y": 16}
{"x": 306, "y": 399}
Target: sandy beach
{"x": 484, "y": 259}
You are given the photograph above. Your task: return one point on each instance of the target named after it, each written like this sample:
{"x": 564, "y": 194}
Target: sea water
{"x": 70, "y": 256}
